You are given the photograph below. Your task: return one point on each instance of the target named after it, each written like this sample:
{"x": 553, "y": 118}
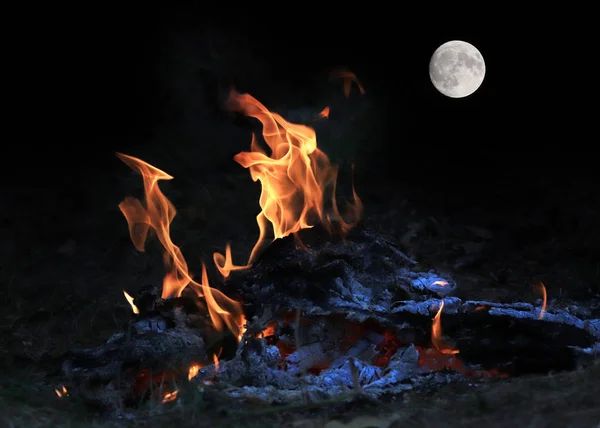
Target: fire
{"x": 440, "y": 283}
{"x": 436, "y": 334}
{"x": 324, "y": 113}
{"x": 61, "y": 392}
{"x": 225, "y": 263}
{"x": 297, "y": 180}
{"x": 269, "y": 330}
{"x": 542, "y": 288}
{"x": 157, "y": 214}
{"x": 130, "y": 301}
{"x": 193, "y": 371}
{"x": 348, "y": 78}
{"x": 170, "y": 396}
{"x": 216, "y": 362}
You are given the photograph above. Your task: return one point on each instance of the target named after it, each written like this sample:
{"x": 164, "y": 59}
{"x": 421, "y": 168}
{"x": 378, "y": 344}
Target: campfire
{"x": 322, "y": 306}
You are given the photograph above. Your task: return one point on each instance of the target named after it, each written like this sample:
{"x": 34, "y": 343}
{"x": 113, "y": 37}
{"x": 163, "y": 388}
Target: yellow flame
{"x": 156, "y": 215}
{"x": 62, "y": 391}
{"x": 194, "y": 369}
{"x": 170, "y": 396}
{"x": 436, "y": 334}
{"x": 296, "y": 177}
{"x": 130, "y": 301}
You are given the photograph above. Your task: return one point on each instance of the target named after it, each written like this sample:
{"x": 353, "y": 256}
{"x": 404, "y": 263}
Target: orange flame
{"x": 542, "y": 288}
{"x": 324, "y": 113}
{"x": 130, "y": 301}
{"x": 222, "y": 309}
{"x": 157, "y": 214}
{"x": 436, "y": 334}
{"x": 348, "y": 78}
{"x": 296, "y": 177}
{"x": 225, "y": 263}
{"x": 216, "y": 362}
{"x": 170, "y": 396}
{"x": 193, "y": 371}
{"x": 269, "y": 330}
{"x": 61, "y": 392}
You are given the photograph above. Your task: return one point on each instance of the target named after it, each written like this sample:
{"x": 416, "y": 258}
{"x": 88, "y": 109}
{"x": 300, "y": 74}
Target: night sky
{"x": 98, "y": 87}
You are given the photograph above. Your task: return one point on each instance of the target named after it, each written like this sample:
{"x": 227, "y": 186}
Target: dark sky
{"x": 97, "y": 88}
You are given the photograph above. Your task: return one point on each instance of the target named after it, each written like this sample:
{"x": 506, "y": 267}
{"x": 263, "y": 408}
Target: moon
{"x": 456, "y": 69}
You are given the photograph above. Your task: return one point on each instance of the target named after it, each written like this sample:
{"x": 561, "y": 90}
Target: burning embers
{"x": 298, "y": 191}
{"x": 328, "y": 305}
{"x": 313, "y": 344}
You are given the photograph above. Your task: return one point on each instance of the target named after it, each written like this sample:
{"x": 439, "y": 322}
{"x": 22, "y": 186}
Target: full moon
{"x": 456, "y": 69}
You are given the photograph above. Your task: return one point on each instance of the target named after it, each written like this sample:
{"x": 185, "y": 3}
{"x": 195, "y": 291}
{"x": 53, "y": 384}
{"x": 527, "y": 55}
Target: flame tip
{"x": 156, "y": 215}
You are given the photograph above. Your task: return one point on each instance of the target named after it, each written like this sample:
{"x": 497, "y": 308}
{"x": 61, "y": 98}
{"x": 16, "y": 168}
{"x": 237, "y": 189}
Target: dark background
{"x": 100, "y": 85}
{"x": 149, "y": 82}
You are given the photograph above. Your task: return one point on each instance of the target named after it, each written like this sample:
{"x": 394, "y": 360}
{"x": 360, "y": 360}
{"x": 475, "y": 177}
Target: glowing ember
{"x": 170, "y": 396}
{"x": 157, "y": 215}
{"x": 297, "y": 180}
{"x": 539, "y": 285}
{"x": 442, "y": 357}
{"x": 435, "y": 360}
{"x": 440, "y": 283}
{"x": 130, "y": 301}
{"x": 436, "y": 334}
{"x": 269, "y": 331}
{"x": 324, "y": 113}
{"x": 193, "y": 371}
{"x": 61, "y": 392}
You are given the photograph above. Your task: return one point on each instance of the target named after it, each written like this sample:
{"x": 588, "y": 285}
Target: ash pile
{"x": 334, "y": 315}
{"x": 325, "y": 317}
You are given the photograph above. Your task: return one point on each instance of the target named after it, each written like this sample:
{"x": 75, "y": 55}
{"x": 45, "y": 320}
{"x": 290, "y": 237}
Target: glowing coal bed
{"x": 322, "y": 306}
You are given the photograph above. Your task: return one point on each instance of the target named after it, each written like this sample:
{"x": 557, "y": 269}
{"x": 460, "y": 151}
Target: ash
{"x": 259, "y": 377}
{"x": 256, "y": 371}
